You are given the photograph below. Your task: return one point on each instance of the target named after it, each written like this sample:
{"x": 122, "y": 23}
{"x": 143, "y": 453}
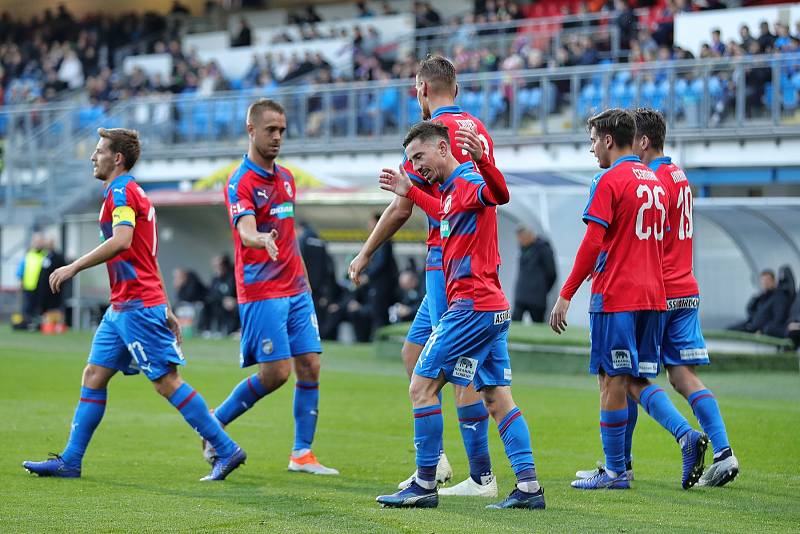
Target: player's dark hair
{"x": 439, "y": 72}
{"x": 425, "y": 131}
{"x": 123, "y": 141}
{"x": 650, "y": 122}
{"x": 616, "y": 122}
{"x": 260, "y": 105}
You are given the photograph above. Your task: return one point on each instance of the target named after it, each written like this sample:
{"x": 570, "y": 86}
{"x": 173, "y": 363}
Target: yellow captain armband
{"x": 123, "y": 215}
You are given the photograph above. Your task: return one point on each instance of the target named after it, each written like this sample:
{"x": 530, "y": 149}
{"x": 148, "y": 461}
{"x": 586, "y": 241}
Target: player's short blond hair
{"x": 257, "y": 107}
{"x": 123, "y": 141}
{"x": 439, "y": 72}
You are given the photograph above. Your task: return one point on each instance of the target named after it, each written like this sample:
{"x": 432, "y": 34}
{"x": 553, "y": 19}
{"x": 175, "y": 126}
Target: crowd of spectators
{"x": 775, "y": 309}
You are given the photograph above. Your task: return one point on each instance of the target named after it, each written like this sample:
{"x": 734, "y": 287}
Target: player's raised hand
{"x": 396, "y": 181}
{"x": 174, "y": 326}
{"x": 356, "y": 267}
{"x": 59, "y": 276}
{"x": 270, "y": 243}
{"x": 558, "y": 317}
{"x": 468, "y": 140}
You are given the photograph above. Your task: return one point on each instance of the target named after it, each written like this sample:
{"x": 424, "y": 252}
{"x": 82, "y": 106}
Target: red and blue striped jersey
{"x": 468, "y": 229}
{"x": 133, "y": 273}
{"x": 454, "y": 118}
{"x": 269, "y": 197}
{"x": 679, "y": 280}
{"x": 630, "y": 201}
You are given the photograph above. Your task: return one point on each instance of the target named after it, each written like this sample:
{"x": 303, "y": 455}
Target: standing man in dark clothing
{"x": 319, "y": 268}
{"x": 53, "y": 260}
{"x": 221, "y": 312}
{"x": 767, "y": 311}
{"x": 382, "y": 274}
{"x": 536, "y": 275}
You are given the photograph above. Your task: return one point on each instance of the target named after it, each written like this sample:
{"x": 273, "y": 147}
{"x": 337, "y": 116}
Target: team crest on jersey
{"x": 620, "y": 359}
{"x": 448, "y": 202}
{"x": 288, "y": 188}
{"x": 266, "y": 346}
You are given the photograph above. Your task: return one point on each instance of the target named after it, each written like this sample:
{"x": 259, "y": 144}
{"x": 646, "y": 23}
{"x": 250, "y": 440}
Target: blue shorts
{"x": 626, "y": 343}
{"x": 683, "y": 342}
{"x": 136, "y": 340}
{"x": 433, "y": 306}
{"x": 277, "y": 329}
{"x": 469, "y": 346}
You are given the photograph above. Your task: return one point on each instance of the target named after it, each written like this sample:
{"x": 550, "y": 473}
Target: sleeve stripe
{"x": 598, "y": 220}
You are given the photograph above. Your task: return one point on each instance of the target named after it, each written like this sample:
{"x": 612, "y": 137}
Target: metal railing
{"x": 732, "y": 98}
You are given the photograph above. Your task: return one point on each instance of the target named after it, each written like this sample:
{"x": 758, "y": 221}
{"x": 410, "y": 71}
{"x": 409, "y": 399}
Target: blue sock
{"x": 88, "y": 414}
{"x": 474, "y": 425}
{"x": 633, "y": 415}
{"x": 194, "y": 409}
{"x": 242, "y": 398}
{"x": 517, "y": 441}
{"x": 306, "y": 400}
{"x": 612, "y": 433}
{"x": 428, "y": 428}
{"x": 656, "y": 403}
{"x": 706, "y": 409}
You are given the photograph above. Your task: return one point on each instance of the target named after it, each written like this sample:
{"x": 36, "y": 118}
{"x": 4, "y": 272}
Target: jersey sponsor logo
{"x": 267, "y": 346}
{"x": 694, "y": 354}
{"x": 678, "y": 176}
{"x": 621, "y": 359}
{"x": 465, "y": 368}
{"x": 506, "y": 374}
{"x": 683, "y": 303}
{"x": 288, "y": 188}
{"x": 448, "y": 202}
{"x": 502, "y": 317}
{"x": 236, "y": 209}
{"x": 444, "y": 228}
{"x": 282, "y": 211}
{"x": 648, "y": 367}
{"x": 645, "y": 174}
{"x": 467, "y": 124}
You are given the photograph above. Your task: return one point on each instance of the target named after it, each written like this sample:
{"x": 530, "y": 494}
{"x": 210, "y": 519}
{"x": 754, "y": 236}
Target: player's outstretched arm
{"x": 119, "y": 241}
{"x": 495, "y": 181}
{"x": 585, "y": 260}
{"x": 392, "y": 219}
{"x": 398, "y": 182}
{"x": 252, "y": 238}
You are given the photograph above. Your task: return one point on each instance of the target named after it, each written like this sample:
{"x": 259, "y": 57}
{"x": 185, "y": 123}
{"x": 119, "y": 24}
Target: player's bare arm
{"x": 392, "y": 219}
{"x": 495, "y": 181}
{"x": 172, "y": 320}
{"x": 252, "y": 238}
{"x": 120, "y": 241}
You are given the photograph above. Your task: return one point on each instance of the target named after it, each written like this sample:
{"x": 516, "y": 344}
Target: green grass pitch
{"x": 141, "y": 471}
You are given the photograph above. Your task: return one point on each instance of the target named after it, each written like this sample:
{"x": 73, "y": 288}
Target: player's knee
{"x": 95, "y": 377}
{"x": 273, "y": 378}
{"x": 420, "y": 392}
{"x": 168, "y": 384}
{"x": 683, "y": 380}
{"x": 307, "y": 367}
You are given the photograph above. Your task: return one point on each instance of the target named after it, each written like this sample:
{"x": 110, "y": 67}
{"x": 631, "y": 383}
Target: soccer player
{"x": 437, "y": 88}
{"x": 139, "y": 330}
{"x": 683, "y": 346}
{"x": 469, "y": 345}
{"x": 623, "y": 252}
{"x": 279, "y": 325}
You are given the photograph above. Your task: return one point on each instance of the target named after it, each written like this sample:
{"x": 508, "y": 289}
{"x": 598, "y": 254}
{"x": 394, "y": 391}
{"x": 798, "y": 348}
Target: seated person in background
{"x": 409, "y": 298}
{"x": 188, "y": 287}
{"x": 793, "y": 324}
{"x": 766, "y": 311}
{"x": 221, "y": 313}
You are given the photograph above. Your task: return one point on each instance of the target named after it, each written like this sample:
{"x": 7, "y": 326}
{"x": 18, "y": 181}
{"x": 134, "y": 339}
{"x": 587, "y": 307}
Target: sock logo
{"x": 473, "y": 426}
{"x": 465, "y": 368}
{"x": 621, "y": 358}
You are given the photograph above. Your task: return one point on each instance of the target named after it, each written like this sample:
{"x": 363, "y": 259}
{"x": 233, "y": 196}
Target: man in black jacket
{"x": 382, "y": 276}
{"x": 536, "y": 275}
{"x": 766, "y": 311}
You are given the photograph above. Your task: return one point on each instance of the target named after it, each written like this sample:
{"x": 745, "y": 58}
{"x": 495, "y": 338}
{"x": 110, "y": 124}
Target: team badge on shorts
{"x": 621, "y": 358}
{"x": 465, "y": 368}
{"x": 266, "y": 346}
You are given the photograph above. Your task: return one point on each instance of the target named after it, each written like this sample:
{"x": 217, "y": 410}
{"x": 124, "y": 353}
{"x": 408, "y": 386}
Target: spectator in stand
{"x": 766, "y": 40}
{"x": 409, "y": 298}
{"x": 627, "y": 23}
{"x": 767, "y": 311}
{"x": 746, "y": 38}
{"x": 783, "y": 40}
{"x": 221, "y": 312}
{"x": 364, "y": 12}
{"x": 245, "y": 35}
{"x": 717, "y": 46}
{"x": 535, "y": 277}
{"x": 793, "y": 322}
